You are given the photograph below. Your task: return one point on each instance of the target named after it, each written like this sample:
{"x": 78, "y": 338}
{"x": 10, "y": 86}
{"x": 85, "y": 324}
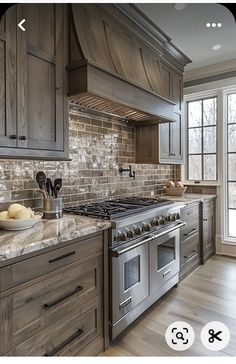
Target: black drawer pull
{"x": 188, "y": 257}
{"x": 66, "y": 342}
{"x": 49, "y": 305}
{"x": 204, "y": 219}
{"x": 13, "y": 136}
{"x": 23, "y": 137}
{"x": 190, "y": 232}
{"x": 61, "y": 257}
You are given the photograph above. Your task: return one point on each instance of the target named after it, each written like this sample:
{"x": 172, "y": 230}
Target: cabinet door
{"x": 176, "y": 140}
{"x": 40, "y": 72}
{"x": 208, "y": 235}
{"x": 164, "y": 143}
{"x": 8, "y": 79}
{"x": 177, "y": 92}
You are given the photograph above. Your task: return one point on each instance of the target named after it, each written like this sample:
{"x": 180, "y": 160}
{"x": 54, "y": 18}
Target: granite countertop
{"x": 188, "y": 198}
{"x": 47, "y": 233}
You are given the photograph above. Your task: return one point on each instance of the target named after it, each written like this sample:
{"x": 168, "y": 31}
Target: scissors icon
{"x": 214, "y": 336}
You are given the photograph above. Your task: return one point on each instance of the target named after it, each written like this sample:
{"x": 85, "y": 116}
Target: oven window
{"x": 131, "y": 272}
{"x": 165, "y": 253}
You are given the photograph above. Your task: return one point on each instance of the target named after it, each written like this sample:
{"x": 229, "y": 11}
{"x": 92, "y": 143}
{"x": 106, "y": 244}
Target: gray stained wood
{"x": 208, "y": 294}
{"x": 56, "y": 303}
{"x": 33, "y": 83}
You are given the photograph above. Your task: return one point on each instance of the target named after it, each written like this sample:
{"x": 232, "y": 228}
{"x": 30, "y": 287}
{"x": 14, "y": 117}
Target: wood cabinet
{"x": 190, "y": 239}
{"x": 60, "y": 309}
{"x": 208, "y": 229}
{"x": 163, "y": 143}
{"x": 8, "y": 78}
{"x": 34, "y": 110}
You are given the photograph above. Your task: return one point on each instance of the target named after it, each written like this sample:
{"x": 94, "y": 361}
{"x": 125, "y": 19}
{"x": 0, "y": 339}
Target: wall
{"x": 98, "y": 146}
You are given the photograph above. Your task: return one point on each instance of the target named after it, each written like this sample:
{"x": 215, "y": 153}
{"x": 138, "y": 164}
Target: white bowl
{"x": 12, "y": 224}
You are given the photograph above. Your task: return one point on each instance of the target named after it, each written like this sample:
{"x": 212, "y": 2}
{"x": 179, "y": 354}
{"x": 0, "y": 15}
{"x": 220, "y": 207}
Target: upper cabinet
{"x": 34, "y": 110}
{"x": 164, "y": 143}
{"x": 8, "y": 79}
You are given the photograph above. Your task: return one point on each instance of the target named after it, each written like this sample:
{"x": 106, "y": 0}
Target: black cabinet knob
{"x": 13, "y": 136}
{"x": 23, "y": 137}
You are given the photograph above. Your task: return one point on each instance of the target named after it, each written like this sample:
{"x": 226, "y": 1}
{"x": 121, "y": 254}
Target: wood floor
{"x": 208, "y": 294}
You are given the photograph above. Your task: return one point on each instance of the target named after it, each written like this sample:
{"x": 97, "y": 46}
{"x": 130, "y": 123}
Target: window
{"x": 202, "y": 139}
{"x": 231, "y": 164}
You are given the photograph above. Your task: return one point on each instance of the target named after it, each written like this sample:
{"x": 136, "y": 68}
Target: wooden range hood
{"x": 117, "y": 67}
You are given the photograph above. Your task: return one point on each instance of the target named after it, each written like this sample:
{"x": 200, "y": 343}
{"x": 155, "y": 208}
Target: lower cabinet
{"x": 208, "y": 230}
{"x": 60, "y": 313}
{"x": 189, "y": 240}
{"x": 197, "y": 238}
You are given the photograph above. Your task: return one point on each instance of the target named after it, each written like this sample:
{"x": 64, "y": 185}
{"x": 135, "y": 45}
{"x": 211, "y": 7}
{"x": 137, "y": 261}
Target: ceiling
{"x": 188, "y": 31}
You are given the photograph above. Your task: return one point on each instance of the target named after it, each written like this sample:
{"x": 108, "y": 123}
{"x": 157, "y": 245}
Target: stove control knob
{"x": 168, "y": 218}
{"x": 154, "y": 222}
{"x": 177, "y": 216}
{"x": 123, "y": 236}
{"x": 146, "y": 227}
{"x": 173, "y": 217}
{"x": 138, "y": 231}
{"x": 161, "y": 221}
{"x": 130, "y": 234}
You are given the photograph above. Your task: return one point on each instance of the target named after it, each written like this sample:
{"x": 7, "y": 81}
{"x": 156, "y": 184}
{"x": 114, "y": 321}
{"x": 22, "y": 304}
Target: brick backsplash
{"x": 98, "y": 146}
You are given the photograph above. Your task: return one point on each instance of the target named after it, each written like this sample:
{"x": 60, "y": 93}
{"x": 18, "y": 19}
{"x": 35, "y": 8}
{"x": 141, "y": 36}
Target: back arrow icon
{"x": 20, "y": 25}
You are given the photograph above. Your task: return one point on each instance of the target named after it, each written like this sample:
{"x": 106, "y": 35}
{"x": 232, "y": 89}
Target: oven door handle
{"x": 117, "y": 252}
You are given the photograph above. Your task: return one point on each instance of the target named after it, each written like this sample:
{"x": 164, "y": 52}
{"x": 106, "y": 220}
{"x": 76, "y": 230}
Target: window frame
{"x": 227, "y": 238}
{"x": 184, "y": 171}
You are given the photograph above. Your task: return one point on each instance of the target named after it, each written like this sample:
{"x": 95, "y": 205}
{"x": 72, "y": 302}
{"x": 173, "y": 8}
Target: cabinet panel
{"x": 8, "y": 79}
{"x": 176, "y": 139}
{"x": 166, "y": 77}
{"x": 33, "y": 104}
{"x": 66, "y": 337}
{"x": 208, "y": 235}
{"x": 18, "y": 273}
{"x": 42, "y": 304}
{"x": 40, "y": 34}
{"x": 177, "y": 92}
{"x": 41, "y": 105}
{"x": 164, "y": 141}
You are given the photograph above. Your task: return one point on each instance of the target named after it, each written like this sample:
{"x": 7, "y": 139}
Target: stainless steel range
{"x": 144, "y": 253}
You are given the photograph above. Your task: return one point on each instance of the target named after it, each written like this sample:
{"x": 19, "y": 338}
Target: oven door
{"x": 164, "y": 259}
{"x": 130, "y": 276}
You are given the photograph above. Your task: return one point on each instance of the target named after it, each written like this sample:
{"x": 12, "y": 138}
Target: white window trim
{"x": 193, "y": 97}
{"x": 221, "y": 90}
{"x": 224, "y": 209}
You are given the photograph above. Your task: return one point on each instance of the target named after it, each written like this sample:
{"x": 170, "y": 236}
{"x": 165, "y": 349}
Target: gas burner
{"x": 144, "y": 201}
{"x": 113, "y": 209}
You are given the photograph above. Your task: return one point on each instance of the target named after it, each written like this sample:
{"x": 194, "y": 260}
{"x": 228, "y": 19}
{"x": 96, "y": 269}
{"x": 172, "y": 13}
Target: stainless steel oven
{"x": 130, "y": 272}
{"x": 164, "y": 259}
{"x": 140, "y": 268}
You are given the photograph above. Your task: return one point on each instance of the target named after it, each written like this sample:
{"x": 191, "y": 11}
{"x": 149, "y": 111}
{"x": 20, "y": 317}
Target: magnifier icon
{"x": 180, "y": 335}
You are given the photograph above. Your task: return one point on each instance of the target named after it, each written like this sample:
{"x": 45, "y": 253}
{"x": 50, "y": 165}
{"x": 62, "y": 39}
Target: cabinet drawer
{"x": 38, "y": 306}
{"x": 190, "y": 229}
{"x": 208, "y": 205}
{"x": 189, "y": 251}
{"x": 189, "y": 212}
{"x": 68, "y": 336}
{"x": 24, "y": 271}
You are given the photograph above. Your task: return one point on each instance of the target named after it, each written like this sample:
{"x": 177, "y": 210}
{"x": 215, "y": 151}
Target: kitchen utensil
{"x": 49, "y": 187}
{"x": 12, "y": 224}
{"x": 57, "y": 186}
{"x": 41, "y": 180}
{"x": 52, "y": 208}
